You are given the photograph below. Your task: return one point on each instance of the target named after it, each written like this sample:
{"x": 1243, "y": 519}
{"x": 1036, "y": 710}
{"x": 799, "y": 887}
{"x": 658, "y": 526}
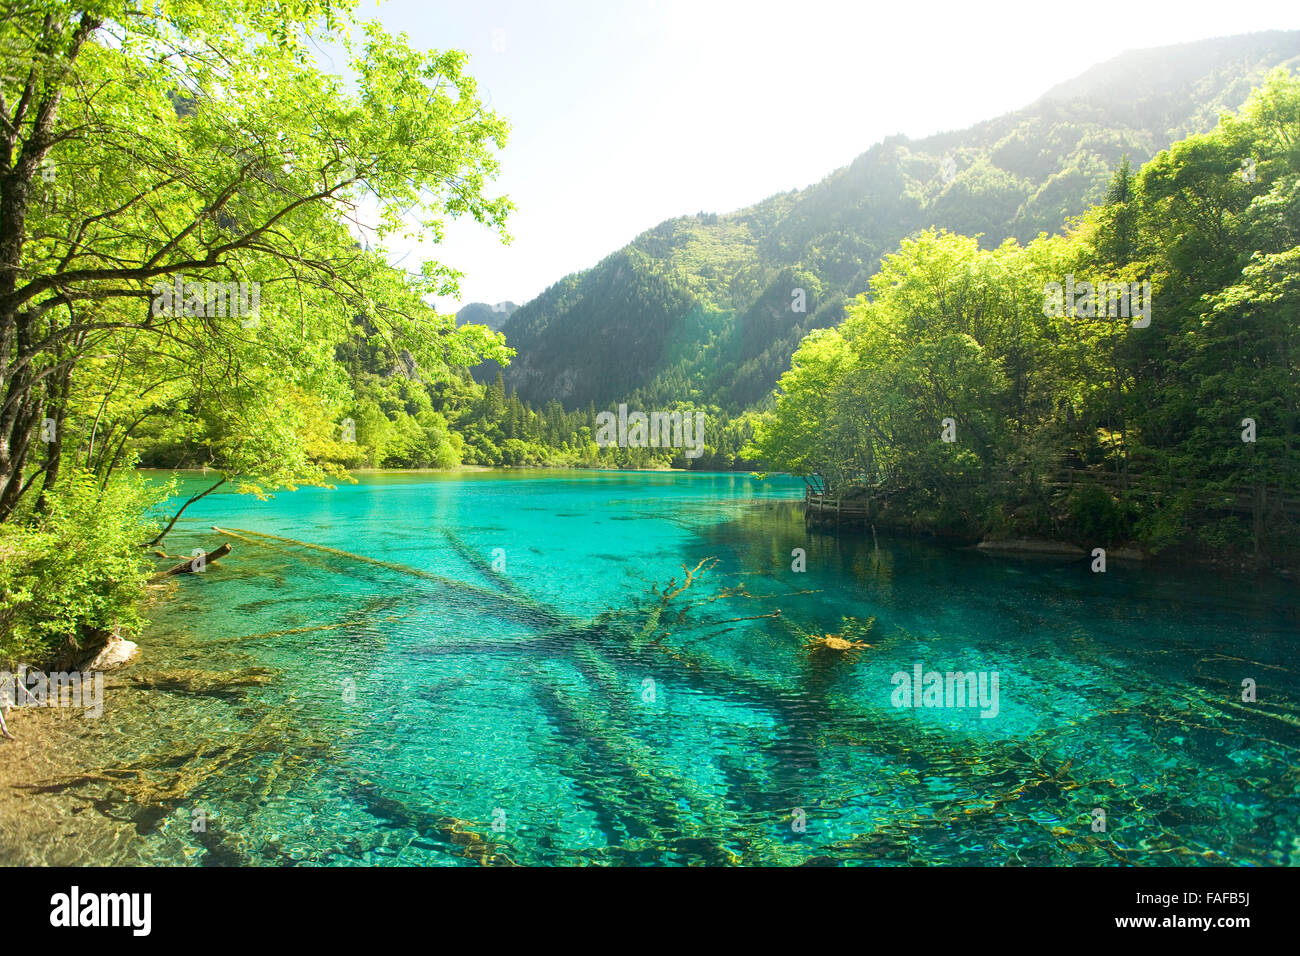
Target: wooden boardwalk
{"x": 823, "y": 509}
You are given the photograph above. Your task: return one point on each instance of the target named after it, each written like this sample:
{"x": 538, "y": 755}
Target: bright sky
{"x": 625, "y": 113}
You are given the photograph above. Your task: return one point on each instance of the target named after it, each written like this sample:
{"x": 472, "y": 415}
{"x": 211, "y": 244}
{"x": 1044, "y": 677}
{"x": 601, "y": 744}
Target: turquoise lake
{"x": 459, "y": 669}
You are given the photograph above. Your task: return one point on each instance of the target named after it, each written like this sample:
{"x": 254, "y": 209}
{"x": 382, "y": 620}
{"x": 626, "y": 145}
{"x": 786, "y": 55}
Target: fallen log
{"x": 187, "y": 566}
{"x": 524, "y": 610}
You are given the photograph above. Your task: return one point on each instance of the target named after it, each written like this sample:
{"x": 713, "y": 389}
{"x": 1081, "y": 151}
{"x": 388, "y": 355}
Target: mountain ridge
{"x": 492, "y": 315}
{"x": 705, "y": 308}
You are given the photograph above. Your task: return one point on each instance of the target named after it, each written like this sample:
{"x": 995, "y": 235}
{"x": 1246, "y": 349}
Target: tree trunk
{"x": 187, "y": 566}
{"x": 21, "y": 408}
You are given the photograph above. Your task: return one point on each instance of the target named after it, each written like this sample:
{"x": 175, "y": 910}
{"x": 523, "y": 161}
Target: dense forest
{"x": 969, "y": 393}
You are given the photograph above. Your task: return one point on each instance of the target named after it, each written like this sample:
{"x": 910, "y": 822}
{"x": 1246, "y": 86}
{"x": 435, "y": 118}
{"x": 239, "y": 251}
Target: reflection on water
{"x": 628, "y": 680}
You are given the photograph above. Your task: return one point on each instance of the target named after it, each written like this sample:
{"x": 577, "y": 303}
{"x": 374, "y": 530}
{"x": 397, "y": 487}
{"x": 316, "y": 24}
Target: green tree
{"x": 137, "y": 147}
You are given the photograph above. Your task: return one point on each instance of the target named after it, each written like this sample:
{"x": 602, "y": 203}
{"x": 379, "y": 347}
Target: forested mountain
{"x": 704, "y": 308}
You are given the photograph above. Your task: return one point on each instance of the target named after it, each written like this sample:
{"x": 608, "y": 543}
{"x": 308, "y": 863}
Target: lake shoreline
{"x": 1023, "y": 546}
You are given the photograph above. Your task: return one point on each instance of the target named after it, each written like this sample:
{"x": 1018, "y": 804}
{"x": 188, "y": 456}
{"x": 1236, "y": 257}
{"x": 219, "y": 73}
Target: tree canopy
{"x": 140, "y": 147}
{"x": 1181, "y": 424}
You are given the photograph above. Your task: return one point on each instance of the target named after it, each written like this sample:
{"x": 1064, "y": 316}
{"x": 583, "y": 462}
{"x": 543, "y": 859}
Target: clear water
{"x": 378, "y": 712}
